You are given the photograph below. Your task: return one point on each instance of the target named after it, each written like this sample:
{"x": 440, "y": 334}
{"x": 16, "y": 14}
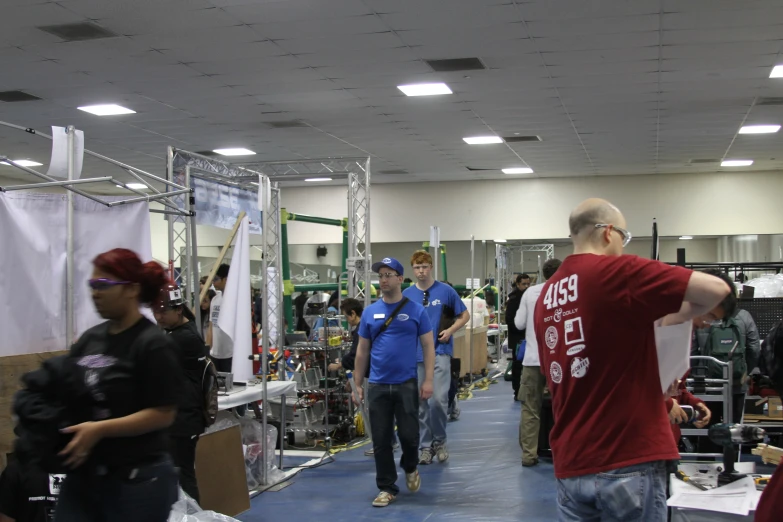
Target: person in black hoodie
{"x": 516, "y": 336}
{"x": 179, "y": 323}
{"x": 120, "y": 469}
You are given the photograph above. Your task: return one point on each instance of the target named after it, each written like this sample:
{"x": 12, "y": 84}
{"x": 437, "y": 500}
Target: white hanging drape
{"x": 32, "y": 264}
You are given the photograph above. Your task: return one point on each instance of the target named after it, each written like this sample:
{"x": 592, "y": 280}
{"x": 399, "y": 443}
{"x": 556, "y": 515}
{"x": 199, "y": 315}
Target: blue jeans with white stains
{"x": 635, "y": 493}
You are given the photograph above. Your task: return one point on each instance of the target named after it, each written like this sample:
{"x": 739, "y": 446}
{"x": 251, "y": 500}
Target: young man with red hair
{"x": 447, "y": 314}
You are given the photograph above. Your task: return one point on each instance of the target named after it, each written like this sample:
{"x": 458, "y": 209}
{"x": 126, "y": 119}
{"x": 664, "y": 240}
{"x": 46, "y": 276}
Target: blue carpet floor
{"x": 482, "y": 480}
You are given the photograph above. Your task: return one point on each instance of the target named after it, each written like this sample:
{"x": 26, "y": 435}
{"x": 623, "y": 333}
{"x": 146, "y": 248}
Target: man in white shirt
{"x": 533, "y": 381}
{"x": 222, "y": 346}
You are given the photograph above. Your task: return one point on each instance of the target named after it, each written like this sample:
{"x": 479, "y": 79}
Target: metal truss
{"x": 504, "y": 255}
{"x": 282, "y": 170}
{"x": 272, "y": 270}
{"x": 359, "y": 283}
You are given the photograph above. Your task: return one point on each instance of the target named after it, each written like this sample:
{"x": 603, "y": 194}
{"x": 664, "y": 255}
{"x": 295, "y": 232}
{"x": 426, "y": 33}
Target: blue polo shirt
{"x": 440, "y": 294}
{"x": 393, "y": 353}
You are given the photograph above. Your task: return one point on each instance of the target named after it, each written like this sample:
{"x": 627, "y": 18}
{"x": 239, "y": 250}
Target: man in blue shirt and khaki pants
{"x": 389, "y": 333}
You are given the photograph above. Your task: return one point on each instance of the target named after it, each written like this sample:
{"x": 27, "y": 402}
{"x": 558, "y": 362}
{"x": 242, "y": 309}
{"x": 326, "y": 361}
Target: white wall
{"x": 685, "y": 204}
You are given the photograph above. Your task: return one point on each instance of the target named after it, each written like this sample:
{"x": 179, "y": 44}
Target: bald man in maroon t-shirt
{"x": 594, "y": 323}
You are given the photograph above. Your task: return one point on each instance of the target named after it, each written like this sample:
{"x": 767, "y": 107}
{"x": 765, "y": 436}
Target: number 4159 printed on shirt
{"x": 562, "y": 292}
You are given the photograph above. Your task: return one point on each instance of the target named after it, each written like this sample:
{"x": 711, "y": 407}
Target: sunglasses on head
{"x": 105, "y": 284}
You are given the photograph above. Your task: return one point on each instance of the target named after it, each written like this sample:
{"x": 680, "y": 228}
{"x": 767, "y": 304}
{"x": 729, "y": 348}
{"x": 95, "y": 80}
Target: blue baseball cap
{"x": 388, "y": 262}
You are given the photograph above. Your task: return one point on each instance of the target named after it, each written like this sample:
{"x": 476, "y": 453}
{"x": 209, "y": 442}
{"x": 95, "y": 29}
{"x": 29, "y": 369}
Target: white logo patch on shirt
{"x": 556, "y": 372}
{"x": 551, "y": 337}
{"x": 579, "y": 367}
{"x": 55, "y": 483}
{"x": 403, "y": 317}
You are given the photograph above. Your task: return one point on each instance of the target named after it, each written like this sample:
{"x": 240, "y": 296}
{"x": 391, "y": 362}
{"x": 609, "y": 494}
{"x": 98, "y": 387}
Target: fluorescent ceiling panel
{"x": 425, "y": 89}
{"x": 483, "y": 140}
{"x": 759, "y": 129}
{"x": 236, "y": 151}
{"x": 106, "y": 110}
{"x": 777, "y": 72}
{"x": 736, "y": 163}
{"x": 23, "y": 163}
{"x": 318, "y": 179}
{"x": 518, "y": 170}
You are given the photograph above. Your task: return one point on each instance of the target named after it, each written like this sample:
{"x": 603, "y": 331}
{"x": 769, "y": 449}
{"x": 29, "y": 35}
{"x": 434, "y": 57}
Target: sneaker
{"x": 454, "y": 415}
{"x": 383, "y": 499}
{"x": 442, "y": 453}
{"x": 396, "y": 445}
{"x": 529, "y": 463}
{"x": 413, "y": 481}
{"x": 426, "y": 456}
{"x": 370, "y": 452}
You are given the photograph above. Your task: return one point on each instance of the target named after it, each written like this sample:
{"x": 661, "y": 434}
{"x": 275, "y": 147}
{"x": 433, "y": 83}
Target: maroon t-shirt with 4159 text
{"x": 594, "y": 325}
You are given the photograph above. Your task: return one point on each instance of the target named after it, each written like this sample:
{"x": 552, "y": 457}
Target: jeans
{"x": 143, "y": 494}
{"x": 531, "y": 394}
{"x": 433, "y": 412}
{"x": 390, "y": 402}
{"x": 633, "y": 494}
{"x": 183, "y": 452}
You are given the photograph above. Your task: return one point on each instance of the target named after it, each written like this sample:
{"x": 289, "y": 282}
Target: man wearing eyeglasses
{"x": 594, "y": 325}
{"x": 389, "y": 332}
{"x": 447, "y": 314}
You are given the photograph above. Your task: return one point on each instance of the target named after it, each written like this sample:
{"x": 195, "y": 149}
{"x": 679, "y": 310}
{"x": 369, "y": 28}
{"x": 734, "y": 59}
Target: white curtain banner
{"x": 235, "y": 320}
{"x": 33, "y": 228}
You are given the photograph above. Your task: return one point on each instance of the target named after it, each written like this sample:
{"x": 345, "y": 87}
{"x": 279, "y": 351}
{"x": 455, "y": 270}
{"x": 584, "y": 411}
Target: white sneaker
{"x": 442, "y": 453}
{"x": 383, "y": 499}
{"x": 413, "y": 481}
{"x": 426, "y": 456}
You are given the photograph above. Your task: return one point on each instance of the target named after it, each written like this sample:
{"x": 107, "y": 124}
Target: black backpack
{"x": 209, "y": 387}
{"x": 726, "y": 342}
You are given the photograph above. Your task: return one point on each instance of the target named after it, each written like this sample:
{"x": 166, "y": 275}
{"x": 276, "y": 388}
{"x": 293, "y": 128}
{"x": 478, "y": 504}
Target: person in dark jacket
{"x": 352, "y": 310}
{"x": 299, "y": 304}
{"x": 176, "y": 319}
{"x": 516, "y": 336}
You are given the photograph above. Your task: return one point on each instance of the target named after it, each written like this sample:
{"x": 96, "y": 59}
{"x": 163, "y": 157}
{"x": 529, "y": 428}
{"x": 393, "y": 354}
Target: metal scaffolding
{"x": 504, "y": 263}
{"x": 167, "y": 199}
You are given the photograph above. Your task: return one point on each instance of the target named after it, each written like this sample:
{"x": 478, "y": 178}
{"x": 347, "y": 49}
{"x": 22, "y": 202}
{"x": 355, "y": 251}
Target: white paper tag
{"x": 379, "y": 316}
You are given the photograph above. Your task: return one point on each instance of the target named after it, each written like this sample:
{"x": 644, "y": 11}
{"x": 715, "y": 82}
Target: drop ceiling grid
{"x": 603, "y": 65}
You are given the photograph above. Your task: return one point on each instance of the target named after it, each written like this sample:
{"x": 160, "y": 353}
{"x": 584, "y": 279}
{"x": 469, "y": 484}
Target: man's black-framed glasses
{"x": 624, "y": 233}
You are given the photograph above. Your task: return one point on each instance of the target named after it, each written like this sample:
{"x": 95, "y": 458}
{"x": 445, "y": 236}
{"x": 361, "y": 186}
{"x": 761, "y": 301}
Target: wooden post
{"x": 220, "y": 257}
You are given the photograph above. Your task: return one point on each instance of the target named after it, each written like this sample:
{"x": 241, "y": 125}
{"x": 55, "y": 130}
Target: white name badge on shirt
{"x": 379, "y": 316}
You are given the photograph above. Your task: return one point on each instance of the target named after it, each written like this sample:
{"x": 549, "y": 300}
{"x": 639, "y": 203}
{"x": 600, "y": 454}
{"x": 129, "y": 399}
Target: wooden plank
{"x": 223, "y": 252}
{"x": 12, "y": 368}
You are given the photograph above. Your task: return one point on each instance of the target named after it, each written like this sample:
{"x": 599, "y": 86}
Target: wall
{"x": 685, "y": 204}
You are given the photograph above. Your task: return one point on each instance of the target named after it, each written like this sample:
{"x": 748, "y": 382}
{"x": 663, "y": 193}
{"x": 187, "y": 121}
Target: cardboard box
{"x": 220, "y": 472}
{"x": 775, "y": 408}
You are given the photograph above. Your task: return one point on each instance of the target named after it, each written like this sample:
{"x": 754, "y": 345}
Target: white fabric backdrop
{"x": 32, "y": 264}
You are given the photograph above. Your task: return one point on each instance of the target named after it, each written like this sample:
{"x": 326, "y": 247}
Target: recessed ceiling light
{"x": 518, "y": 170}
{"x": 483, "y": 140}
{"x": 23, "y": 163}
{"x": 234, "y": 152}
{"x": 777, "y": 72}
{"x": 736, "y": 163}
{"x": 500, "y": 240}
{"x": 424, "y": 89}
{"x": 106, "y": 110}
{"x": 137, "y": 186}
{"x": 685, "y": 238}
{"x": 759, "y": 129}
{"x": 318, "y": 179}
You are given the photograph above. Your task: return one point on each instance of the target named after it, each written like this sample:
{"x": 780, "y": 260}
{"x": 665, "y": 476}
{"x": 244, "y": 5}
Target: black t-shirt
{"x": 28, "y": 494}
{"x": 192, "y": 353}
{"x": 125, "y": 373}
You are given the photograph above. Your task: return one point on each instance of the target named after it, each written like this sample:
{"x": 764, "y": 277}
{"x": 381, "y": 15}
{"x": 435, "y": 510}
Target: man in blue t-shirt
{"x": 447, "y": 314}
{"x": 389, "y": 332}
